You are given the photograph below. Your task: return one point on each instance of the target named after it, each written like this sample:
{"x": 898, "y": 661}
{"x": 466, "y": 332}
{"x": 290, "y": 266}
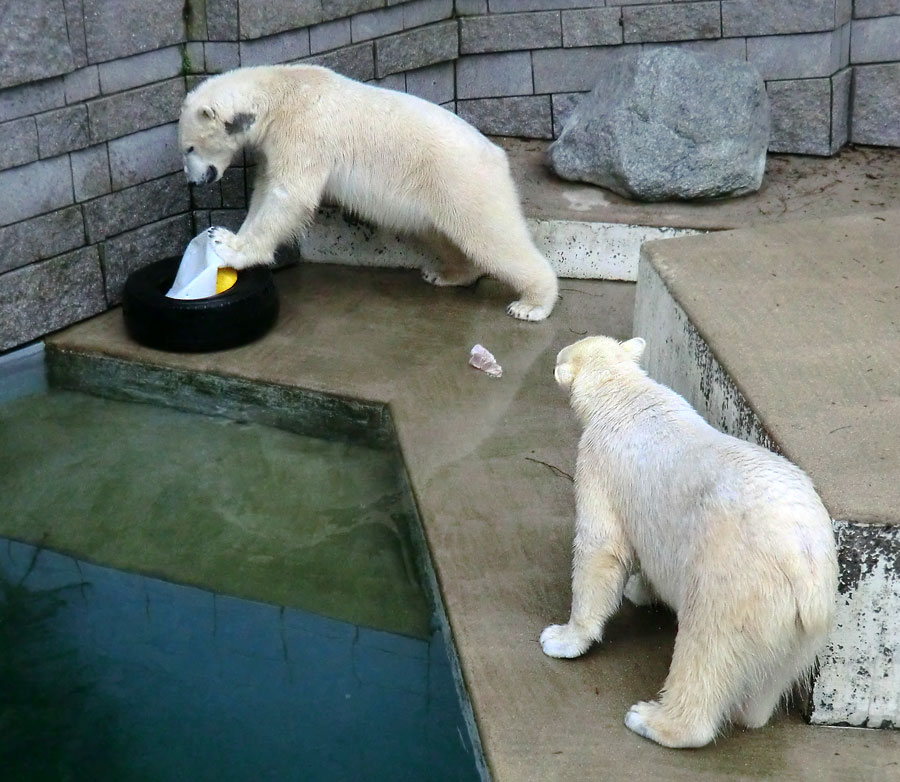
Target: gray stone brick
{"x": 40, "y": 237}
{"x": 129, "y": 72}
{"x": 234, "y": 191}
{"x": 127, "y": 112}
{"x": 25, "y": 23}
{"x": 265, "y": 17}
{"x": 75, "y": 27}
{"x": 510, "y": 32}
{"x": 801, "y": 56}
{"x": 434, "y": 83}
{"x": 396, "y": 81}
{"x": 563, "y": 104}
{"x": 90, "y": 172}
{"x": 840, "y": 108}
{"x": 800, "y": 116}
{"x": 195, "y": 20}
{"x": 31, "y": 98}
{"x": 726, "y": 48}
{"x": 845, "y": 45}
{"x": 592, "y": 27}
{"x": 82, "y": 84}
{"x": 416, "y": 48}
{"x": 222, "y": 20}
{"x": 774, "y": 17}
{"x": 143, "y": 156}
{"x": 35, "y": 188}
{"x": 421, "y": 12}
{"x": 875, "y": 40}
{"x": 337, "y": 9}
{"x": 672, "y": 22}
{"x": 136, "y": 206}
{"x": 329, "y": 35}
{"x": 18, "y": 142}
{"x": 863, "y": 9}
{"x": 843, "y": 12}
{"x": 221, "y": 56}
{"x": 206, "y": 196}
{"x": 283, "y": 47}
{"x": 201, "y": 221}
{"x": 62, "y": 130}
{"x": 374, "y": 24}
{"x": 232, "y": 219}
{"x": 528, "y": 116}
{"x": 193, "y": 81}
{"x": 471, "y": 7}
{"x": 46, "y": 296}
{"x": 875, "y": 113}
{"x": 494, "y": 75}
{"x": 357, "y": 62}
{"x": 193, "y": 59}
{"x": 511, "y": 6}
{"x": 573, "y": 70}
{"x": 132, "y": 26}
{"x": 135, "y": 249}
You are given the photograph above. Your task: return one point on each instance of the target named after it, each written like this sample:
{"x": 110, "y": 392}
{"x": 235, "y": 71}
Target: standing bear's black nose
{"x": 210, "y": 175}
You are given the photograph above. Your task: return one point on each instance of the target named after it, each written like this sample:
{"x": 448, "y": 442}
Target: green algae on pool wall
{"x": 234, "y": 507}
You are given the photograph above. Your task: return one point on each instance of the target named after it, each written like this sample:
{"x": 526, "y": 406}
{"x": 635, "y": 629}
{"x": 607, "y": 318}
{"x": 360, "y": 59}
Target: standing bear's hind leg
{"x": 513, "y": 259}
{"x": 487, "y": 224}
{"x": 452, "y": 267}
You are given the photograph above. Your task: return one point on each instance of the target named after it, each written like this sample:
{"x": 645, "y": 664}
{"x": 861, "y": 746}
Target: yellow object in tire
{"x": 225, "y": 278}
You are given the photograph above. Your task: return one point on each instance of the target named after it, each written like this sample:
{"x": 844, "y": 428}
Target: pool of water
{"x": 185, "y": 597}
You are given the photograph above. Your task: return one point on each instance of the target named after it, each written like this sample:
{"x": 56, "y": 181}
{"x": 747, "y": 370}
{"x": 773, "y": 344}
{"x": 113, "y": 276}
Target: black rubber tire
{"x": 240, "y": 315}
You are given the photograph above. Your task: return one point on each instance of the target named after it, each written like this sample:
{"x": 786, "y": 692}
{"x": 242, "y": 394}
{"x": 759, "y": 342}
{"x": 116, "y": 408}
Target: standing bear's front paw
{"x": 565, "y": 641}
{"x": 227, "y": 245}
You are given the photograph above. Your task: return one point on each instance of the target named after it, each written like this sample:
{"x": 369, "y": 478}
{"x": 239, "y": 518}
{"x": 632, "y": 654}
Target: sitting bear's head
{"x": 212, "y": 128}
{"x": 592, "y": 355}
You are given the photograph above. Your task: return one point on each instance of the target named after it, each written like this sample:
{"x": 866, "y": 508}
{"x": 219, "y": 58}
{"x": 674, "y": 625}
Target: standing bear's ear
{"x": 239, "y": 123}
{"x": 634, "y": 348}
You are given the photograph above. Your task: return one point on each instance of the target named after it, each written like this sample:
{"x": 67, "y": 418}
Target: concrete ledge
{"x": 786, "y": 336}
{"x": 590, "y": 233}
{"x": 575, "y": 248}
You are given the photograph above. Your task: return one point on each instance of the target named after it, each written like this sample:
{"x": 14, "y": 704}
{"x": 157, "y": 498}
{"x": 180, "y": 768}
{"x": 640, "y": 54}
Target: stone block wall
{"x": 90, "y": 174}
{"x": 832, "y": 67}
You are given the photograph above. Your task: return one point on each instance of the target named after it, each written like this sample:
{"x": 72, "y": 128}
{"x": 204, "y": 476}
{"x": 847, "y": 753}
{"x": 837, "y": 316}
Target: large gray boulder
{"x": 669, "y": 124}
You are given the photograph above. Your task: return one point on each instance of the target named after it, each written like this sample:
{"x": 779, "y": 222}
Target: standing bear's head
{"x": 215, "y": 120}
{"x": 588, "y": 358}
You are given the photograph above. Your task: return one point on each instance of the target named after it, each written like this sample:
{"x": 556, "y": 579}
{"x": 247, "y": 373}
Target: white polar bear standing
{"x": 731, "y": 536}
{"x": 399, "y": 161}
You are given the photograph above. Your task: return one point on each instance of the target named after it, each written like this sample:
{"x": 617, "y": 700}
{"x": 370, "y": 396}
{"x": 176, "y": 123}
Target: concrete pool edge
{"x": 297, "y": 410}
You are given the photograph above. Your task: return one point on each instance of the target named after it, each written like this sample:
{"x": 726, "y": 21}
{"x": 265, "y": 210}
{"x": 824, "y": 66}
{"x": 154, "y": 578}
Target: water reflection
{"x": 111, "y": 676}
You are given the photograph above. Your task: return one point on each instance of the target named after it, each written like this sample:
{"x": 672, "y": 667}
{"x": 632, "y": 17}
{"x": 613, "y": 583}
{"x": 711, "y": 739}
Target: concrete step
{"x": 788, "y": 335}
{"x": 588, "y": 232}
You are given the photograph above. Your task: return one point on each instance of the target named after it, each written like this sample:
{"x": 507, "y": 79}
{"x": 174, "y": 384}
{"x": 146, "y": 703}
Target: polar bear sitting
{"x": 391, "y": 158}
{"x": 731, "y": 536}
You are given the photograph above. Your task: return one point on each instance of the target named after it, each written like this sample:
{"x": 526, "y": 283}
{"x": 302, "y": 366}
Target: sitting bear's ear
{"x": 634, "y": 348}
{"x": 207, "y": 112}
{"x": 564, "y": 375}
{"x": 239, "y": 123}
